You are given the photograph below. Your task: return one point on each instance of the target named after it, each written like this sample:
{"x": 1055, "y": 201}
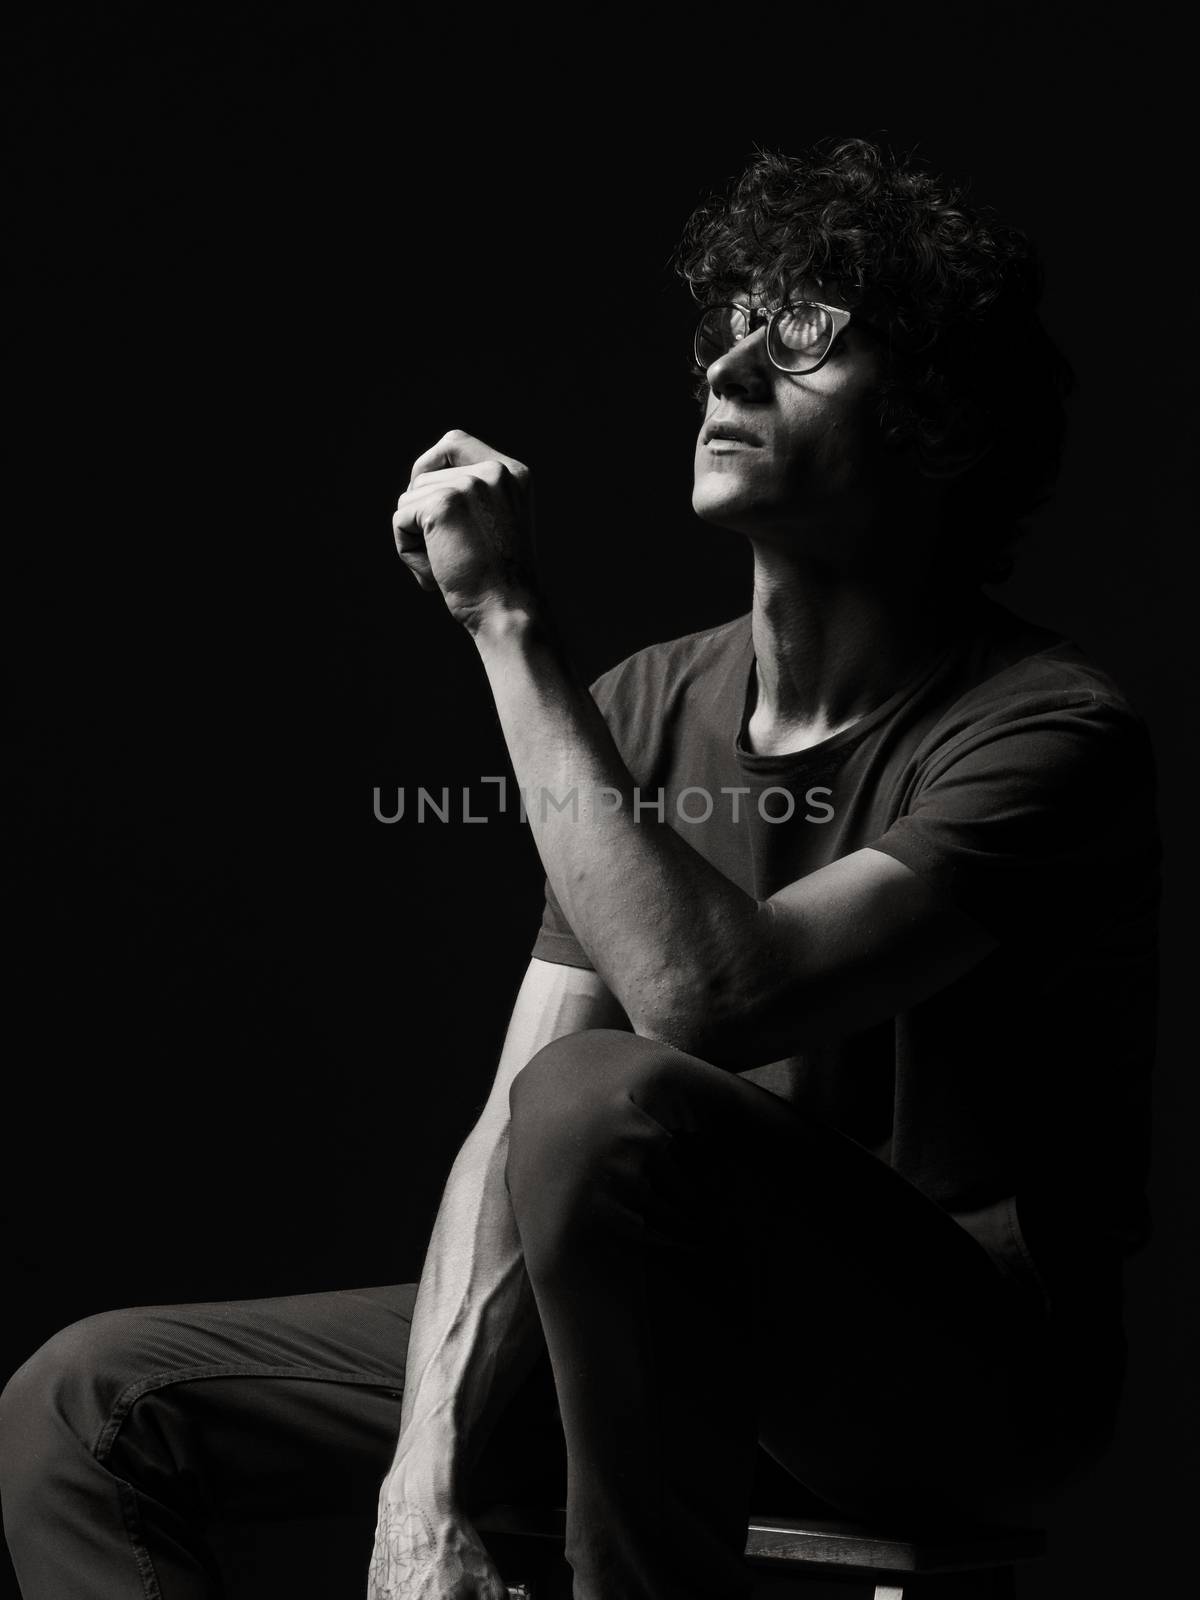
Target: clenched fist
{"x": 423, "y": 1555}
{"x": 463, "y": 526}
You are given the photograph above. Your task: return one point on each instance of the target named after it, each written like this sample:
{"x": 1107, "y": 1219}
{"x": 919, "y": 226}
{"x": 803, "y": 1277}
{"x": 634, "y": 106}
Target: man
{"x": 818, "y": 1126}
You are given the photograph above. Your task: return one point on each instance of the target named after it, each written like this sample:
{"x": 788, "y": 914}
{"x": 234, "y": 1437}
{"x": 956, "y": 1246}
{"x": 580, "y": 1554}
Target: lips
{"x": 716, "y": 429}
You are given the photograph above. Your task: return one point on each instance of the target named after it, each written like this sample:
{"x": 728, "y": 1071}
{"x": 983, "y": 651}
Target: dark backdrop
{"x": 259, "y": 264}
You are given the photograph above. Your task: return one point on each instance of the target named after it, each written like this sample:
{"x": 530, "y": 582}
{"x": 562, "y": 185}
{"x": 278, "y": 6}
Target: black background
{"x": 258, "y": 258}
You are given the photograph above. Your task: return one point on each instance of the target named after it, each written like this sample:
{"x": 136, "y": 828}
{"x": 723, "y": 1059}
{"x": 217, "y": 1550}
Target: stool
{"x": 819, "y": 1556}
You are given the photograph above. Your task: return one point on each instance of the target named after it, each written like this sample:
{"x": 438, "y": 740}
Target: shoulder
{"x": 1023, "y": 679}
{"x": 1032, "y": 797}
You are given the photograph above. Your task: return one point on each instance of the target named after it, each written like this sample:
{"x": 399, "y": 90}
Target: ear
{"x": 962, "y": 437}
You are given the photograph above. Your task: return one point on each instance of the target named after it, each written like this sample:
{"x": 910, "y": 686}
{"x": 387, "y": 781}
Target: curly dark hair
{"x": 954, "y": 289}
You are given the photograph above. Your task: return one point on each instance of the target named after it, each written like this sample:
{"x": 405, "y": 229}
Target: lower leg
{"x": 645, "y": 1291}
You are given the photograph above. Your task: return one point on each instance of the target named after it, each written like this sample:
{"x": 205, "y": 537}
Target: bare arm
{"x": 475, "y": 1332}
{"x": 692, "y": 958}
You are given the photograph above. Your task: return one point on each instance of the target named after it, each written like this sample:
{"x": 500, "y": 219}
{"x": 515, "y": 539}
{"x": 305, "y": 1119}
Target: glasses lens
{"x": 801, "y": 336}
{"x": 719, "y": 329}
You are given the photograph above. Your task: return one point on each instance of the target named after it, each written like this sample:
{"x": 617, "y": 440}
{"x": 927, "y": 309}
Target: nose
{"x": 744, "y": 371}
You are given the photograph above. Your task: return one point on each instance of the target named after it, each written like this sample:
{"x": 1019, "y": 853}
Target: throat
{"x": 765, "y": 735}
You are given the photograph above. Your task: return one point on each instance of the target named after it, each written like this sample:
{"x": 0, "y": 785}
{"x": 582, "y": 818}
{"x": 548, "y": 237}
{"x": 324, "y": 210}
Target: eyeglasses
{"x": 800, "y": 333}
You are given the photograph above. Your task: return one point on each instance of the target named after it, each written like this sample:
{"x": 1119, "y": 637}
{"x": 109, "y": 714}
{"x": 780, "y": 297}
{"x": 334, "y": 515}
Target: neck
{"x": 829, "y": 646}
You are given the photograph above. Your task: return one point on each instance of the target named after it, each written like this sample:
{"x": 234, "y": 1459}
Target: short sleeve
{"x": 1036, "y": 817}
{"x": 555, "y": 940}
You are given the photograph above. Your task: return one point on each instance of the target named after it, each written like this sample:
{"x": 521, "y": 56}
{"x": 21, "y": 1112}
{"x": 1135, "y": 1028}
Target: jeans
{"x": 717, "y": 1274}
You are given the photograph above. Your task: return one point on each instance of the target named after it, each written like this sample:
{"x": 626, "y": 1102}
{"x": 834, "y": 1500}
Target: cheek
{"x": 839, "y": 442}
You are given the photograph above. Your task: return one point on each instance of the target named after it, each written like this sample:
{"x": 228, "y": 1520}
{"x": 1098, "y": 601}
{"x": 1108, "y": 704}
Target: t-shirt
{"x": 1014, "y": 777}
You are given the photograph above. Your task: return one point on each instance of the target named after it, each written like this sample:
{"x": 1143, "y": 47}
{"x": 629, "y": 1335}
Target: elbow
{"x": 726, "y": 1025}
{"x": 722, "y": 999}
{"x": 674, "y": 1008}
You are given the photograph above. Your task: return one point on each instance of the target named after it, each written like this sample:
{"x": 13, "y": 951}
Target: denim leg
{"x": 128, "y": 1432}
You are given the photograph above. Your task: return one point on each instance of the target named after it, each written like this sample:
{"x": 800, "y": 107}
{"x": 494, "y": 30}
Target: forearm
{"x": 475, "y": 1330}
{"x": 682, "y": 948}
{"x": 688, "y": 954}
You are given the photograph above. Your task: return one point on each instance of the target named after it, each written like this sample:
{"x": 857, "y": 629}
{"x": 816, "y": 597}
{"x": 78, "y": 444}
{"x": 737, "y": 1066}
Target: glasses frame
{"x": 771, "y": 315}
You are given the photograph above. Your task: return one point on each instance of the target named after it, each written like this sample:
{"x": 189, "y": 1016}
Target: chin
{"x": 724, "y": 505}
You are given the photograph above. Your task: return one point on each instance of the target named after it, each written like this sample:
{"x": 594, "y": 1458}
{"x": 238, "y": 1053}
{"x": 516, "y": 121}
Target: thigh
{"x": 278, "y": 1407}
{"x": 273, "y": 1401}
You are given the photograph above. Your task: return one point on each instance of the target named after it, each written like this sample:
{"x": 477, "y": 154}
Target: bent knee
{"x": 72, "y": 1380}
{"x": 580, "y": 1100}
{"x": 579, "y": 1078}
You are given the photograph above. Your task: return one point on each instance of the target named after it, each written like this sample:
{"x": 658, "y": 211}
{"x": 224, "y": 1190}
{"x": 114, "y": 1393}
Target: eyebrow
{"x": 856, "y": 317}
{"x": 796, "y": 300}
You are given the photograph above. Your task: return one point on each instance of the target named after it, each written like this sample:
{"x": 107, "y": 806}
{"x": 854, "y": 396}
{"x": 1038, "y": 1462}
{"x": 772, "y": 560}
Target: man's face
{"x": 811, "y": 453}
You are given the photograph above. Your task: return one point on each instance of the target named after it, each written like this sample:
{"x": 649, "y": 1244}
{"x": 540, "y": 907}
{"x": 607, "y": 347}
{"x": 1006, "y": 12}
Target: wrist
{"x": 425, "y": 1472}
{"x": 508, "y": 625}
